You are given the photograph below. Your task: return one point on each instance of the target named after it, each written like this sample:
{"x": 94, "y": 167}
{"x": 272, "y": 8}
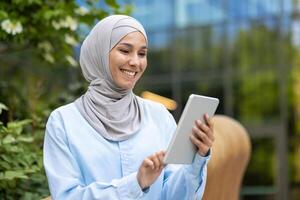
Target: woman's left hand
{"x": 203, "y": 135}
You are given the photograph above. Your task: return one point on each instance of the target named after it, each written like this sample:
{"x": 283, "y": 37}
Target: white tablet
{"x": 181, "y": 150}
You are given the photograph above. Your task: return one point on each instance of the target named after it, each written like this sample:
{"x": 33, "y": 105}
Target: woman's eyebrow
{"x": 130, "y": 45}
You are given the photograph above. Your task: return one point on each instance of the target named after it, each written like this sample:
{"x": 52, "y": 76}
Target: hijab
{"x": 113, "y": 112}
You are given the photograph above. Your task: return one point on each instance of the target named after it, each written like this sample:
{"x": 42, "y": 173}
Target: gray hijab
{"x": 113, "y": 112}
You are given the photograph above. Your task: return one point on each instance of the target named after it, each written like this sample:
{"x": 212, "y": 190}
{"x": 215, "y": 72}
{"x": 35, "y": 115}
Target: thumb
{"x": 148, "y": 163}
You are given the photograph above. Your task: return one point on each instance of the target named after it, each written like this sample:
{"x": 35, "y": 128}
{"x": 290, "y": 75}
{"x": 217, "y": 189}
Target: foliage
{"x": 295, "y": 90}
{"x": 261, "y": 169}
{"x": 21, "y": 166}
{"x": 2, "y": 107}
{"x": 255, "y": 63}
{"x": 51, "y": 28}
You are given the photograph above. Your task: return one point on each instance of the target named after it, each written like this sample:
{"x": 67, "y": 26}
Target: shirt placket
{"x": 126, "y": 158}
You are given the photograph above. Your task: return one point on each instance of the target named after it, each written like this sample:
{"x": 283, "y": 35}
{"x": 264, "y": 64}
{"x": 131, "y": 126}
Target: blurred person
{"x": 109, "y": 143}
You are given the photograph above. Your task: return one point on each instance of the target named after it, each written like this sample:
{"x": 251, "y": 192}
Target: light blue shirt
{"x": 81, "y": 164}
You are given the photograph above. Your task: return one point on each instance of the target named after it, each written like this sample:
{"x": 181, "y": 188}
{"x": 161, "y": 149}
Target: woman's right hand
{"x": 150, "y": 169}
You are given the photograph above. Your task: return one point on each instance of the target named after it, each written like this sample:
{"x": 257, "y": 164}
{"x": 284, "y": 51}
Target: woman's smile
{"x": 128, "y": 73}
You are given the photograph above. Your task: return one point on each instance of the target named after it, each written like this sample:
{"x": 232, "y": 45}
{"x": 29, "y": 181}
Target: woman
{"x": 109, "y": 143}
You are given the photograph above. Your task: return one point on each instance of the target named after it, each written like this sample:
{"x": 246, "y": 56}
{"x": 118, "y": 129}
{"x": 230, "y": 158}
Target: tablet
{"x": 181, "y": 150}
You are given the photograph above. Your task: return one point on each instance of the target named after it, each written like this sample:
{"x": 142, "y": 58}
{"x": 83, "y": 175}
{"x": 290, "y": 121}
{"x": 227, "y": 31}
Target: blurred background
{"x": 246, "y": 53}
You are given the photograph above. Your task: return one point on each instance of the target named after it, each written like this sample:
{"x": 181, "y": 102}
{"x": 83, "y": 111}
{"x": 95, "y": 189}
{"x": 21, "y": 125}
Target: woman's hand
{"x": 203, "y": 135}
{"x": 150, "y": 169}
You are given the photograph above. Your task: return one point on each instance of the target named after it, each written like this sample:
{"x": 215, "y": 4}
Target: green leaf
{"x": 8, "y": 139}
{"x": 49, "y": 14}
{"x": 25, "y": 139}
{"x": 17, "y": 126}
{"x": 38, "y": 2}
{"x": 1, "y": 175}
{"x": 5, "y": 165}
{"x": 2, "y": 106}
{"x": 14, "y": 174}
{"x": 3, "y": 129}
{"x": 6, "y": 158}
{"x": 14, "y": 149}
{"x": 28, "y": 2}
{"x": 3, "y": 14}
{"x": 31, "y": 170}
{"x": 112, "y": 3}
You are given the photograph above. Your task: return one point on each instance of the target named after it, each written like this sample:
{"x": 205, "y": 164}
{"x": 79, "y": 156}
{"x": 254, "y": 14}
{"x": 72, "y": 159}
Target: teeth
{"x": 129, "y": 73}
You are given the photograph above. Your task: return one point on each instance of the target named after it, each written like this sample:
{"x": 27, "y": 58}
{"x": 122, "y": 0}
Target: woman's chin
{"x": 126, "y": 86}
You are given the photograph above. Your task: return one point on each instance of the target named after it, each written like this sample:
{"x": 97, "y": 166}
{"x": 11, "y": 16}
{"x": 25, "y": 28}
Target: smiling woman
{"x": 110, "y": 143}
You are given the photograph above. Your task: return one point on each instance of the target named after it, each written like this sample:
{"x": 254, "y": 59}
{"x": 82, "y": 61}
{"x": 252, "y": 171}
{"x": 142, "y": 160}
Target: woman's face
{"x": 128, "y": 60}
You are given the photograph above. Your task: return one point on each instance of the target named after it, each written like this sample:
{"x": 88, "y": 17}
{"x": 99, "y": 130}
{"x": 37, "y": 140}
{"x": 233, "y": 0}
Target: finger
{"x": 206, "y": 129}
{"x": 200, "y": 145}
{"x": 200, "y": 135}
{"x": 148, "y": 163}
{"x": 204, "y": 139}
{"x": 161, "y": 156}
{"x": 209, "y": 121}
{"x": 202, "y": 126}
{"x": 155, "y": 160}
{"x": 197, "y": 142}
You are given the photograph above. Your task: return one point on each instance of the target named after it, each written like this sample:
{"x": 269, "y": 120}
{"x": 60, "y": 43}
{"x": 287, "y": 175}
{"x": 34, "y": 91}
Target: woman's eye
{"x": 124, "y": 51}
{"x": 142, "y": 54}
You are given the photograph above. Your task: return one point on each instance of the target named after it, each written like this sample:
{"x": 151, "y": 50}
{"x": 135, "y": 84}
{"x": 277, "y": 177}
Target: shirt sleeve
{"x": 185, "y": 182}
{"x": 63, "y": 172}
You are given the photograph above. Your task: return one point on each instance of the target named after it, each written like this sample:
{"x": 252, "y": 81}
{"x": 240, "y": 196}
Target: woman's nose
{"x": 134, "y": 60}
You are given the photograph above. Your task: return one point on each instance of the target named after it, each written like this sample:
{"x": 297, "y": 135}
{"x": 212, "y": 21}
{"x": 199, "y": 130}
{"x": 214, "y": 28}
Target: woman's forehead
{"x": 134, "y": 38}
